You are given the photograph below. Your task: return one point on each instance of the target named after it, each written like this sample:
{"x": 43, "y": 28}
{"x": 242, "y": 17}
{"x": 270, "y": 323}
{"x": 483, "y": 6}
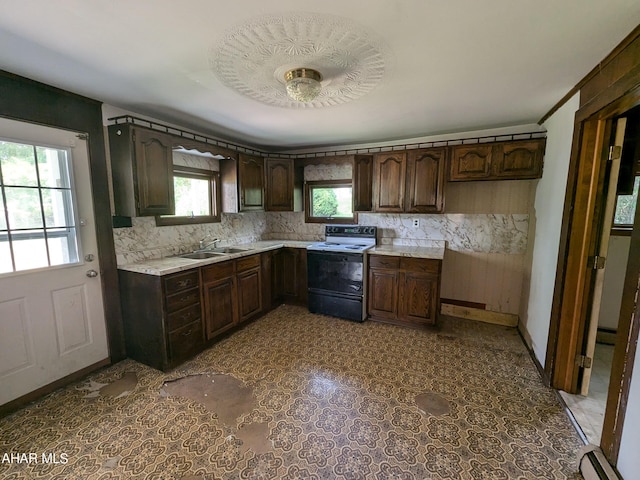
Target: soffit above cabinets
{"x": 392, "y": 70}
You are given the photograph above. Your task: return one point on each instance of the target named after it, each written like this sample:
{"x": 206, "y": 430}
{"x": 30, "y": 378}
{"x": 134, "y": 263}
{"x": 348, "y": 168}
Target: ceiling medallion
{"x": 333, "y": 57}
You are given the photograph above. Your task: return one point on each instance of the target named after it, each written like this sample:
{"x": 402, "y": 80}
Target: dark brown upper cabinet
{"x": 242, "y": 183}
{"x": 425, "y": 180}
{"x": 513, "y": 160}
{"x": 284, "y": 185}
{"x": 362, "y": 183}
{"x": 251, "y": 182}
{"x": 389, "y": 177}
{"x": 408, "y": 181}
{"x": 142, "y": 170}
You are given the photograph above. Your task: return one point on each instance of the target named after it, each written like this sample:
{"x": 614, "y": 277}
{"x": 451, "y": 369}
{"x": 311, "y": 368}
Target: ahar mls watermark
{"x": 32, "y": 457}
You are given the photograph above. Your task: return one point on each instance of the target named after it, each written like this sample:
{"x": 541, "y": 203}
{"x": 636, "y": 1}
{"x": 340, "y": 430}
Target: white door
{"x": 51, "y": 309}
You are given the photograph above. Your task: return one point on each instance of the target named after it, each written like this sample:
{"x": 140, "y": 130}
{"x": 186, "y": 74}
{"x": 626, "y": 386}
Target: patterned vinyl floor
{"x": 330, "y": 399}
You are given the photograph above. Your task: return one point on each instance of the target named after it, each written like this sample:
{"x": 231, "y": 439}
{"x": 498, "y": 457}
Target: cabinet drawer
{"x": 183, "y": 317}
{"x": 423, "y": 265}
{"x": 217, "y": 271}
{"x": 182, "y": 299}
{"x": 384, "y": 261}
{"x": 181, "y": 281}
{"x": 185, "y": 341}
{"x": 246, "y": 263}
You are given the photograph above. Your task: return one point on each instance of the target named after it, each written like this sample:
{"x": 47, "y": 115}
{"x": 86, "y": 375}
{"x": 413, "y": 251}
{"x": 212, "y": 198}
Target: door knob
{"x": 92, "y": 273}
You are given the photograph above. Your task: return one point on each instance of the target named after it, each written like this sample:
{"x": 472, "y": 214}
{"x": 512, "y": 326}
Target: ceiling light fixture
{"x": 303, "y": 84}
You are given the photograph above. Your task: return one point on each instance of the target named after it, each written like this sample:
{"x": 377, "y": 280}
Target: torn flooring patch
{"x": 221, "y": 394}
{"x": 117, "y": 389}
{"x": 432, "y": 404}
{"x": 255, "y": 437}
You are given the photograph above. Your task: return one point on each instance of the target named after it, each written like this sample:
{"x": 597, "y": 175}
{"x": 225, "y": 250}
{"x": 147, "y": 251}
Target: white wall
{"x": 616, "y": 267}
{"x": 549, "y": 204}
{"x": 628, "y": 458}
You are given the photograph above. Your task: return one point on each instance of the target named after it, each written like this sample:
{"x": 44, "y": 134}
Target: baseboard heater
{"x": 594, "y": 465}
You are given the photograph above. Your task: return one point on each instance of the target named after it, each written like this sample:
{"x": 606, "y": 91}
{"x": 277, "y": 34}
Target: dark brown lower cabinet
{"x": 219, "y": 306}
{"x": 170, "y": 318}
{"x": 249, "y": 284}
{"x": 232, "y": 292}
{"x": 404, "y": 290}
{"x": 289, "y": 276}
{"x": 383, "y": 287}
{"x": 162, "y": 317}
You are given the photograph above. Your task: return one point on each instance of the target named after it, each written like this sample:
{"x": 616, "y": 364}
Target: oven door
{"x": 335, "y": 272}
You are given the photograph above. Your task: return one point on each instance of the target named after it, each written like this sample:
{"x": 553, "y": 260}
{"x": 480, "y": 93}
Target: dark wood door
{"x": 470, "y": 162}
{"x": 220, "y": 306}
{"x": 362, "y": 183}
{"x": 249, "y": 293}
{"x": 251, "y": 182}
{"x": 418, "y": 298}
{"x": 522, "y": 159}
{"x": 154, "y": 173}
{"x": 280, "y": 184}
{"x": 383, "y": 293}
{"x": 425, "y": 180}
{"x": 389, "y": 181}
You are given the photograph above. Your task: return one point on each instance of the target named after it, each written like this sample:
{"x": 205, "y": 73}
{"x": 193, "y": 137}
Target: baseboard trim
{"x": 595, "y": 466}
{"x": 20, "y": 402}
{"x": 487, "y": 316}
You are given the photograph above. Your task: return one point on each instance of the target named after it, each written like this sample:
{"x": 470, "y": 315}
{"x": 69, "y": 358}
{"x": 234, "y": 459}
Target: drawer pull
{"x": 187, "y": 333}
{"x": 184, "y": 283}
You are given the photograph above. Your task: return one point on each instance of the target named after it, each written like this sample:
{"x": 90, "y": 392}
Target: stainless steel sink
{"x": 227, "y": 250}
{"x": 200, "y": 255}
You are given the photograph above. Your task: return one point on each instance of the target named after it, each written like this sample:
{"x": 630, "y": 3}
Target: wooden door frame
{"x": 582, "y": 213}
{"x": 572, "y": 296}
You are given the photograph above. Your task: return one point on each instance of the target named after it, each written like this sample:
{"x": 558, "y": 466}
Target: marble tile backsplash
{"x": 145, "y": 241}
{"x": 486, "y": 233}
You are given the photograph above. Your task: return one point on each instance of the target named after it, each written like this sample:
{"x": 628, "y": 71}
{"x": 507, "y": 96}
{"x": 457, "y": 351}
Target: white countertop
{"x": 434, "y": 252}
{"x": 167, "y": 265}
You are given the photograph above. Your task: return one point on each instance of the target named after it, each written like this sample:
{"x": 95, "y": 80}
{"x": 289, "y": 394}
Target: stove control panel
{"x": 360, "y": 231}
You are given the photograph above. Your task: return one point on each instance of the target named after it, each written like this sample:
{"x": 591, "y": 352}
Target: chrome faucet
{"x": 206, "y": 246}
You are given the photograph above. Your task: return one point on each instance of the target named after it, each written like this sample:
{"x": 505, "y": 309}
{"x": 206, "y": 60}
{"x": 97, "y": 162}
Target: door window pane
{"x": 38, "y": 229}
{"x": 62, "y": 246}
{"x": 30, "y": 252}
{"x": 57, "y": 205}
{"x": 18, "y": 164}
{"x": 23, "y": 205}
{"x": 53, "y": 168}
{"x": 3, "y": 218}
{"x": 5, "y": 254}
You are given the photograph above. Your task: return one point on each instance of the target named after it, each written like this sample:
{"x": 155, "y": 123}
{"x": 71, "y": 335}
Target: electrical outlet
{"x": 416, "y": 222}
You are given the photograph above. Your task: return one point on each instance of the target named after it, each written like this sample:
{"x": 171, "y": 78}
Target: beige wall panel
{"x": 498, "y": 197}
{"x": 490, "y": 278}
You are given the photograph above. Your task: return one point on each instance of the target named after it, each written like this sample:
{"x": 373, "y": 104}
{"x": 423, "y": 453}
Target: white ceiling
{"x": 451, "y": 66}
